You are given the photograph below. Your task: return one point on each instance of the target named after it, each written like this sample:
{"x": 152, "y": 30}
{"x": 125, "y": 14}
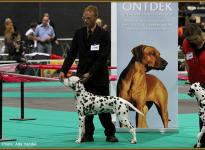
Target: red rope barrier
{"x": 49, "y": 66}
{"x": 113, "y": 77}
{"x": 12, "y": 77}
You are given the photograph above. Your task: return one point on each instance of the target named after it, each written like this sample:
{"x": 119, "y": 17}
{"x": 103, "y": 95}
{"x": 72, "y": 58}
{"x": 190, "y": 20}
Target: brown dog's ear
{"x": 138, "y": 52}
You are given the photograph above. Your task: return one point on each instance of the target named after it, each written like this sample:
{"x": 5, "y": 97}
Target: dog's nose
{"x": 164, "y": 63}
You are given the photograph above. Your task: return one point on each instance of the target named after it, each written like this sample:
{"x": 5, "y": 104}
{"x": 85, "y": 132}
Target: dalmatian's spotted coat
{"x": 198, "y": 90}
{"x": 90, "y": 104}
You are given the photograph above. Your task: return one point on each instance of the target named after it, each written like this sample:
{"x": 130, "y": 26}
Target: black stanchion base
{"x": 23, "y": 119}
{"x": 4, "y": 140}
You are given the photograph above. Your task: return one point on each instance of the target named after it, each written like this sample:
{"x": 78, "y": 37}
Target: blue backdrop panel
{"x": 154, "y": 24}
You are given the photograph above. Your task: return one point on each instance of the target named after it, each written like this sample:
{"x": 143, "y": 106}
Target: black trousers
{"x": 105, "y": 118}
{"x": 203, "y": 136}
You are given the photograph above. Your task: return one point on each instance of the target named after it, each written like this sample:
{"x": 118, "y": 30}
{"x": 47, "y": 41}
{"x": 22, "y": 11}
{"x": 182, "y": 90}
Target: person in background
{"x": 13, "y": 43}
{"x": 51, "y": 23}
{"x": 8, "y": 31}
{"x": 194, "y": 51}
{"x": 44, "y": 35}
{"x": 31, "y": 38}
{"x": 92, "y": 44}
{"x": 16, "y": 48}
{"x": 101, "y": 23}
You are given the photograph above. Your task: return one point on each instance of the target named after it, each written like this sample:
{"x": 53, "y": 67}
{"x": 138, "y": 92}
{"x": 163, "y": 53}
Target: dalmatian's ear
{"x": 202, "y": 85}
{"x": 80, "y": 80}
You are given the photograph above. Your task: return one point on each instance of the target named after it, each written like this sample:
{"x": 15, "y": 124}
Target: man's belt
{"x": 45, "y": 42}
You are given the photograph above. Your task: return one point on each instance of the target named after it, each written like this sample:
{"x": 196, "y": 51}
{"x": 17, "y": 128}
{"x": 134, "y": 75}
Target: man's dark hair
{"x": 33, "y": 24}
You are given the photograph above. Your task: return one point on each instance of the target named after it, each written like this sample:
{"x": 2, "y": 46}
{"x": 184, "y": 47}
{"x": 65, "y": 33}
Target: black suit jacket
{"x": 94, "y": 62}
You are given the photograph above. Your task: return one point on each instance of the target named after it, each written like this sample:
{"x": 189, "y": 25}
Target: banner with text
{"x": 147, "y": 61}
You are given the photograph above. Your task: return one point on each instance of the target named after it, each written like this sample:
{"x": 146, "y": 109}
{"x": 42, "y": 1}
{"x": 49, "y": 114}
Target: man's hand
{"x": 57, "y": 42}
{"x": 39, "y": 39}
{"x": 85, "y": 77}
{"x": 61, "y": 76}
{"x": 49, "y": 39}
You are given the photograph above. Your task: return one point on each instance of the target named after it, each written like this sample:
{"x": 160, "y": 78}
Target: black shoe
{"x": 202, "y": 145}
{"x": 111, "y": 138}
{"x": 87, "y": 138}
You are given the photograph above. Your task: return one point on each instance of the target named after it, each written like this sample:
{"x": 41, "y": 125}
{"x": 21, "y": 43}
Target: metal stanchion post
{"x": 22, "y": 99}
{"x": 1, "y": 110}
{"x": 22, "y": 106}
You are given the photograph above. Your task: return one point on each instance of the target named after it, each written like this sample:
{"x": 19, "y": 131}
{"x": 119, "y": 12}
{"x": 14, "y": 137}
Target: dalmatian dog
{"x": 90, "y": 104}
{"x": 198, "y": 90}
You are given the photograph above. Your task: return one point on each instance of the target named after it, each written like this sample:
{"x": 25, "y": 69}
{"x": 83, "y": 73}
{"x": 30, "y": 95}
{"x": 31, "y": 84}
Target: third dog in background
{"x": 198, "y": 90}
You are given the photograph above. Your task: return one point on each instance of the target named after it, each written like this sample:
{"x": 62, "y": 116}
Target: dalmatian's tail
{"x": 133, "y": 107}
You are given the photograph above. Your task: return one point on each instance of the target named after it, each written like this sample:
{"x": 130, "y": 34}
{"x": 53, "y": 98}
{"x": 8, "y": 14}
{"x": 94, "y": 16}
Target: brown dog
{"x": 140, "y": 88}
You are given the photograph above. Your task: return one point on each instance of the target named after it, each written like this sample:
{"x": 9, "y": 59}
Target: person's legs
{"x": 48, "y": 48}
{"x": 40, "y": 48}
{"x": 106, "y": 121}
{"x": 203, "y": 136}
{"x": 105, "y": 118}
{"x": 89, "y": 129}
{"x": 89, "y": 126}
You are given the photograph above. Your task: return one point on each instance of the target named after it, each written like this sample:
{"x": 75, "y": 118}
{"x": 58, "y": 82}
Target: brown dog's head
{"x": 150, "y": 57}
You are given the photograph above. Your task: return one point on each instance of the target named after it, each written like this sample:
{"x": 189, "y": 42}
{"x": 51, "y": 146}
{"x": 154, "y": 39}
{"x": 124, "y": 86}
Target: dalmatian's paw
{"x": 133, "y": 141}
{"x": 198, "y": 145}
{"x": 78, "y": 141}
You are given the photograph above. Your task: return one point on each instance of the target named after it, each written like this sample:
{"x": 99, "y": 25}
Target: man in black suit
{"x": 93, "y": 45}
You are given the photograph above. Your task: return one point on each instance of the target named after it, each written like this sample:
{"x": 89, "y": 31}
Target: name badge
{"x": 189, "y": 56}
{"x": 95, "y": 47}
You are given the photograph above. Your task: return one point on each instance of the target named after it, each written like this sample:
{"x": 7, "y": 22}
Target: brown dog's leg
{"x": 164, "y": 116}
{"x": 140, "y": 121}
{"x": 157, "y": 93}
{"x": 123, "y": 92}
{"x": 144, "y": 118}
{"x": 162, "y": 99}
{"x": 139, "y": 118}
